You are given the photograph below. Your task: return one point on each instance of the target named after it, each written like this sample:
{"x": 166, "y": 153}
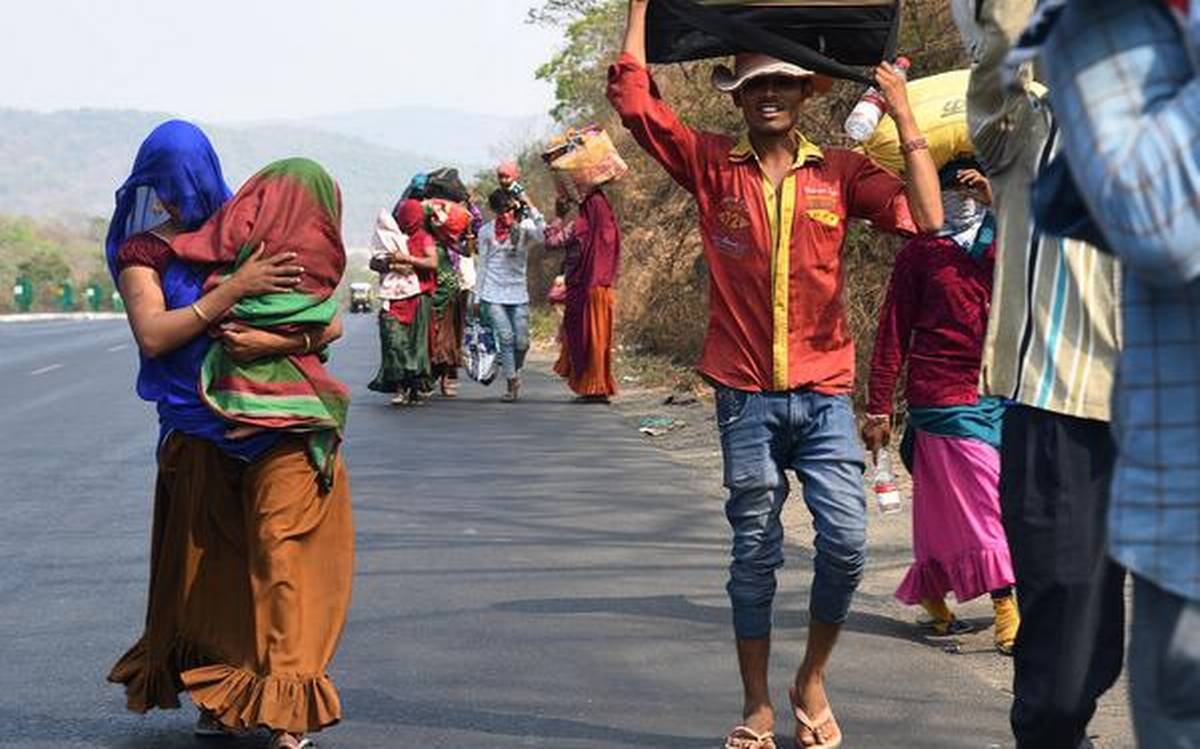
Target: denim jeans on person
{"x": 511, "y": 324}
{"x": 762, "y": 436}
{"x": 1164, "y": 668}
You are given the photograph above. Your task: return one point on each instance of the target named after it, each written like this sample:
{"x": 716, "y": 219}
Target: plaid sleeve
{"x": 1127, "y": 95}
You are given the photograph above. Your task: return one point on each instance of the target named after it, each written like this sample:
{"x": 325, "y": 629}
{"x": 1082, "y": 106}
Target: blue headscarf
{"x": 176, "y": 165}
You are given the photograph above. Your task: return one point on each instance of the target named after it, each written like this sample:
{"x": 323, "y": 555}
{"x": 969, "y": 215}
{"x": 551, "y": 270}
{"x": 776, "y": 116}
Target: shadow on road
{"x": 372, "y": 706}
{"x": 683, "y": 609}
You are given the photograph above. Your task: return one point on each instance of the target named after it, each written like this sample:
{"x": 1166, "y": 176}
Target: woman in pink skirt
{"x": 935, "y": 321}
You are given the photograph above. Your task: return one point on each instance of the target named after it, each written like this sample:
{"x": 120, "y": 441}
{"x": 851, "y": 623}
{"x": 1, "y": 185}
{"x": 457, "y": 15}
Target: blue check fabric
{"x": 1123, "y": 79}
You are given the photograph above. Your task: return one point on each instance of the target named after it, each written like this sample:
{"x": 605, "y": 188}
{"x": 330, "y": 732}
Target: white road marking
{"x": 122, "y": 347}
{"x": 44, "y": 370}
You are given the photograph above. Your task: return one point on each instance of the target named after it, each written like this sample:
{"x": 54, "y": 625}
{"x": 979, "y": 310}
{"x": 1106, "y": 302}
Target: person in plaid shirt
{"x": 1123, "y": 77}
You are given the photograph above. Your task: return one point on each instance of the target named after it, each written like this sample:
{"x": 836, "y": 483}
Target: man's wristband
{"x": 879, "y": 418}
{"x": 914, "y": 145}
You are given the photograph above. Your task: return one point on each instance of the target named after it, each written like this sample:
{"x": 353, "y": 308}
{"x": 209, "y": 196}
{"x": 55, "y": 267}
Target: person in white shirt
{"x": 502, "y": 286}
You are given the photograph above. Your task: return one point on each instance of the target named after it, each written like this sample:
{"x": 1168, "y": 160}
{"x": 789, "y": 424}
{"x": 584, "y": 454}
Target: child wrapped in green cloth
{"x": 293, "y": 206}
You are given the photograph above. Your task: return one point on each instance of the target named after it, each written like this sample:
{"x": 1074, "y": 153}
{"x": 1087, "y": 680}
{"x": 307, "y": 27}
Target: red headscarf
{"x": 410, "y": 217}
{"x": 447, "y": 219}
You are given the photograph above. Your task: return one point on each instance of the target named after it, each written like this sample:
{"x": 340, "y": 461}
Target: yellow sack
{"x": 939, "y": 104}
{"x": 582, "y": 160}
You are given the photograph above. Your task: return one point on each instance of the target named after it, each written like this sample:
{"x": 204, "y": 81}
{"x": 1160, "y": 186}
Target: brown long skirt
{"x": 445, "y": 345}
{"x": 597, "y": 378}
{"x": 250, "y": 572}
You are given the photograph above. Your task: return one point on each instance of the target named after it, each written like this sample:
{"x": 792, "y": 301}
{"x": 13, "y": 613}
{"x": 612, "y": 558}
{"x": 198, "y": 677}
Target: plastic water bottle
{"x": 887, "y": 492}
{"x": 865, "y": 117}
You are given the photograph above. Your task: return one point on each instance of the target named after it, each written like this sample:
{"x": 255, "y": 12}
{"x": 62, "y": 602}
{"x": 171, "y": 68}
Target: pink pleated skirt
{"x": 959, "y": 544}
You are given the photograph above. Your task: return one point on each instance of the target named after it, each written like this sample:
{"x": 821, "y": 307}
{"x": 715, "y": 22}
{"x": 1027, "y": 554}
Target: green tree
{"x": 577, "y": 71}
{"x": 46, "y": 270}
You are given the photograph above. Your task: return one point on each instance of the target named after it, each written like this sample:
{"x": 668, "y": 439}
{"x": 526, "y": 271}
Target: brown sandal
{"x": 746, "y": 738}
{"x": 822, "y": 731}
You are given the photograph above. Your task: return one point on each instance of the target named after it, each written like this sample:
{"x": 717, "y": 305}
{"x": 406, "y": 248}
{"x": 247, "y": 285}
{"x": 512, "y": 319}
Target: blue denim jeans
{"x": 511, "y": 324}
{"x": 1164, "y": 668}
{"x": 762, "y": 436}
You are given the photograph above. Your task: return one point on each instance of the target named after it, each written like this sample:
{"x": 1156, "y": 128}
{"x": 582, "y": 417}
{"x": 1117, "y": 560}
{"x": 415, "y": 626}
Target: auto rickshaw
{"x": 360, "y": 297}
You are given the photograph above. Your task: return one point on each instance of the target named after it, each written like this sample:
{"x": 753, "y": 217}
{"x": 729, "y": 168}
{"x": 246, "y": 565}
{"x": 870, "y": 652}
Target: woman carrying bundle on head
{"x": 253, "y": 540}
{"x": 592, "y": 244}
{"x": 405, "y": 319}
{"x": 933, "y": 323}
{"x": 448, "y": 223}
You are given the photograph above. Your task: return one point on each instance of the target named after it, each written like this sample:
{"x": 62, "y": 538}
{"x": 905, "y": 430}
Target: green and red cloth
{"x": 292, "y": 206}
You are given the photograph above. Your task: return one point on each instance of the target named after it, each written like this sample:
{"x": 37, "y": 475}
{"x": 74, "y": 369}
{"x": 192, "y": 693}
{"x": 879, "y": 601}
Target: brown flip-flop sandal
{"x": 747, "y": 738}
{"x": 821, "y": 732}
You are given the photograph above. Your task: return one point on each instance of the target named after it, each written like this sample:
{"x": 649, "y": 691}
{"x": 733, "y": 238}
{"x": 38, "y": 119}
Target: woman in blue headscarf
{"x": 219, "y": 487}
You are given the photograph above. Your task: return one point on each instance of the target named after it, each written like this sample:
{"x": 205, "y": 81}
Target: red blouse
{"x": 147, "y": 250}
{"x": 935, "y": 320}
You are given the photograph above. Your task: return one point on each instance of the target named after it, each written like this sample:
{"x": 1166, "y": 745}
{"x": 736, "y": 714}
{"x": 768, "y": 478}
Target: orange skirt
{"x": 250, "y": 573}
{"x": 597, "y": 378}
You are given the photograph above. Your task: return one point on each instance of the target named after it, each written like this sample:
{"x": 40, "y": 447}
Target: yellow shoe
{"x": 1008, "y": 621}
{"x": 944, "y": 622}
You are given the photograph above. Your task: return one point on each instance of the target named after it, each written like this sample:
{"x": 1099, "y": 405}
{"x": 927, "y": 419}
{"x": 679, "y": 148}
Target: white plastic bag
{"x": 480, "y": 352}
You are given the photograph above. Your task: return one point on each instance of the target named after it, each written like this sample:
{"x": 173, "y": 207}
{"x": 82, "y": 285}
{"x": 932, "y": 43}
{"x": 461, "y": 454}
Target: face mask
{"x": 962, "y": 212}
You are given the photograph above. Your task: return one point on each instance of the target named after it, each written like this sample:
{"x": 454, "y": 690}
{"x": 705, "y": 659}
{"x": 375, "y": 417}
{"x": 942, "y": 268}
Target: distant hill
{"x": 472, "y": 141}
{"x": 68, "y": 164}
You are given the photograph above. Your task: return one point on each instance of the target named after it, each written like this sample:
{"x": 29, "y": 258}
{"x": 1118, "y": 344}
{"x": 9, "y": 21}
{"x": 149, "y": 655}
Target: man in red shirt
{"x": 773, "y": 213}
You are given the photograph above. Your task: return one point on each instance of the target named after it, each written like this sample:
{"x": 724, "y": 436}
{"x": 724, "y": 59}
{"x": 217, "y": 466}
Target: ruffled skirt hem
{"x": 244, "y": 701}
{"x": 153, "y": 682}
{"x": 968, "y": 577}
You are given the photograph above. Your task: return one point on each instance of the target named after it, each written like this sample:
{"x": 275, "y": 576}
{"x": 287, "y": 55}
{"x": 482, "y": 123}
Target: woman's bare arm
{"x": 247, "y": 344}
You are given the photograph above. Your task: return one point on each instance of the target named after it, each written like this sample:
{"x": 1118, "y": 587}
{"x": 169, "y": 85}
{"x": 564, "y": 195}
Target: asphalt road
{"x": 528, "y": 576}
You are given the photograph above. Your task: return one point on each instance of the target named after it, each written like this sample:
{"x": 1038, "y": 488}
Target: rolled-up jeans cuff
{"x": 751, "y": 623}
{"x": 833, "y": 587}
{"x": 829, "y": 612}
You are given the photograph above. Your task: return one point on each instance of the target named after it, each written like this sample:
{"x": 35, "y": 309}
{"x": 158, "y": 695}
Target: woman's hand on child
{"x": 246, "y": 344}
{"x": 267, "y": 275}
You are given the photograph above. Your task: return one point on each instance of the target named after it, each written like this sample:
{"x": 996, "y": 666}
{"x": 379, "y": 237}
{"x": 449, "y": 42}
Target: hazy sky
{"x": 255, "y": 59}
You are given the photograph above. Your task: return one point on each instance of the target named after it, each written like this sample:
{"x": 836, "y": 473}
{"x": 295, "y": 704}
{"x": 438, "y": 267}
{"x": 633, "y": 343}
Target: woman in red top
{"x": 593, "y": 253}
{"x": 935, "y": 321}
